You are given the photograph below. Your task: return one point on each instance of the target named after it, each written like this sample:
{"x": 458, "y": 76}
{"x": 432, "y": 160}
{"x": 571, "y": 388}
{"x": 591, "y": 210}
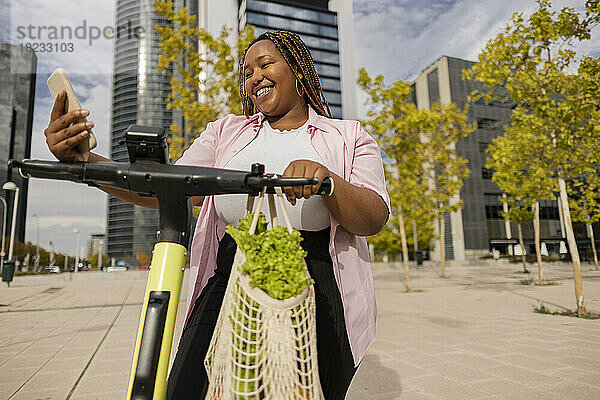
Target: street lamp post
{"x": 3, "y": 231}
{"x": 51, "y": 254}
{"x": 77, "y": 250}
{"x": 36, "y": 265}
{"x": 12, "y": 186}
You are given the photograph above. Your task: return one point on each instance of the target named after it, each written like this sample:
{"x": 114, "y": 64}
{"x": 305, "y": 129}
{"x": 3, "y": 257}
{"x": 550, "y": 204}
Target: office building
{"x": 17, "y": 79}
{"x": 479, "y": 227}
{"x": 95, "y": 245}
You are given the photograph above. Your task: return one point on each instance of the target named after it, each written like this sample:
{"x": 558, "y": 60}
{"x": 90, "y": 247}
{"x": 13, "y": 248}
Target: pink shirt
{"x": 347, "y": 151}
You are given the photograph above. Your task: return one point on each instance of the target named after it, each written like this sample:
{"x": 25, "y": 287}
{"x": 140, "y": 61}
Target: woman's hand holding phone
{"x": 64, "y": 133}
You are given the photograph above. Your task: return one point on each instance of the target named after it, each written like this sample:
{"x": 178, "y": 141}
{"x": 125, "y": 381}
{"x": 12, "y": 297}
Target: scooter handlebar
{"x": 148, "y": 178}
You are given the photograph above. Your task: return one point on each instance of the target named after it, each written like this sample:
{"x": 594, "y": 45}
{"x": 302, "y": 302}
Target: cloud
{"x": 69, "y": 28}
{"x": 401, "y": 38}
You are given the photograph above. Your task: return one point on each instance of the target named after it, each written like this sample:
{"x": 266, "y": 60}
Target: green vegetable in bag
{"x": 274, "y": 258}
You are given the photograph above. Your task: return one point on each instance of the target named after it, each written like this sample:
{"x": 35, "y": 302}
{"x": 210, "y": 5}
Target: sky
{"x": 396, "y": 38}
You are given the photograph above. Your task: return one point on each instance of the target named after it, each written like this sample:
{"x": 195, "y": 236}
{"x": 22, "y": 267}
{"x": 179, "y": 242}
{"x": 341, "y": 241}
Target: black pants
{"x": 188, "y": 378}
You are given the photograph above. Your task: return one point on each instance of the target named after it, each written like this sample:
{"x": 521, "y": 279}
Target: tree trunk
{"x": 591, "y": 235}
{"x": 415, "y": 240}
{"x": 442, "y": 248}
{"x": 522, "y": 247}
{"x": 572, "y": 246}
{"x": 538, "y": 250}
{"x": 404, "y": 248}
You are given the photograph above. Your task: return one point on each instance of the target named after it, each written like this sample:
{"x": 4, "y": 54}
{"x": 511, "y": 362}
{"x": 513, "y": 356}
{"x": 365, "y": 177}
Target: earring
{"x": 298, "y": 90}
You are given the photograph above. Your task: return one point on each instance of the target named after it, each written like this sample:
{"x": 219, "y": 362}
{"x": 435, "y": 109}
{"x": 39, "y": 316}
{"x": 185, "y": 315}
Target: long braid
{"x": 298, "y": 57}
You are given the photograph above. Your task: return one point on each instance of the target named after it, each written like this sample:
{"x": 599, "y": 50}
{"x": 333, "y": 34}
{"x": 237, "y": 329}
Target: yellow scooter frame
{"x": 157, "y": 323}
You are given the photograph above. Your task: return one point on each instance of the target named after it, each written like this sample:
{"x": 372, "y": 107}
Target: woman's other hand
{"x": 66, "y": 130}
{"x": 304, "y": 169}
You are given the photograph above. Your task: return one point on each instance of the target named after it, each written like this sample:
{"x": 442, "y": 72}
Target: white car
{"x": 116, "y": 269}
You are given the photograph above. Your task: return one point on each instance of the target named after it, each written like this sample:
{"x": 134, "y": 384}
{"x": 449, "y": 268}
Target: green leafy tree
{"x": 446, "y": 169}
{"x": 584, "y": 201}
{"x": 518, "y": 174}
{"x": 398, "y": 125}
{"x": 204, "y": 80}
{"x": 94, "y": 261}
{"x": 553, "y": 93}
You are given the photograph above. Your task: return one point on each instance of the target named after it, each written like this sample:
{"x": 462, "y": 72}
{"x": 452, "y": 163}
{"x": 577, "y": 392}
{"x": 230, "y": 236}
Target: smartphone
{"x": 59, "y": 81}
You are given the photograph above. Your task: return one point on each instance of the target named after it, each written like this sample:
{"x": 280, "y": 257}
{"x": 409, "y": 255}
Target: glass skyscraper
{"x": 139, "y": 95}
{"x": 17, "y": 79}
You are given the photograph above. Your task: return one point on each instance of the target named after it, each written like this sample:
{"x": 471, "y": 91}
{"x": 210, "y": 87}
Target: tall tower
{"x": 139, "y": 95}
{"x": 18, "y": 68}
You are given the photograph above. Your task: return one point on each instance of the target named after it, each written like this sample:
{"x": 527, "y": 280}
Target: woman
{"x": 287, "y": 126}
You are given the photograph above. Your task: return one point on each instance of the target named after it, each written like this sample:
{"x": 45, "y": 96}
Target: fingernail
{"x": 85, "y": 133}
{"x": 84, "y": 113}
{"x": 89, "y": 124}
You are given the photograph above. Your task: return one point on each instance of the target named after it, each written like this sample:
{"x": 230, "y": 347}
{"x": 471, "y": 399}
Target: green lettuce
{"x": 274, "y": 258}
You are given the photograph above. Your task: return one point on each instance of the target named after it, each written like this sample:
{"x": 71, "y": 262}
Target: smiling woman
{"x": 288, "y": 127}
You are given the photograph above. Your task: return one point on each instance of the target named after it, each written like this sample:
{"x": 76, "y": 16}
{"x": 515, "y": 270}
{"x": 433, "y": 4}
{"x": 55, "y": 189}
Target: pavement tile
{"x": 101, "y": 367}
{"x": 576, "y": 375}
{"x": 414, "y": 357}
{"x": 571, "y": 390}
{"x": 538, "y": 364}
{"x": 472, "y": 360}
{"x": 102, "y": 383}
{"x": 112, "y": 395}
{"x": 355, "y": 394}
{"x": 459, "y": 373}
{"x": 444, "y": 388}
{"x": 41, "y": 394}
{"x": 589, "y": 364}
{"x": 500, "y": 387}
{"x": 523, "y": 375}
{"x": 377, "y": 382}
{"x": 410, "y": 395}
{"x": 53, "y": 380}
{"x": 406, "y": 370}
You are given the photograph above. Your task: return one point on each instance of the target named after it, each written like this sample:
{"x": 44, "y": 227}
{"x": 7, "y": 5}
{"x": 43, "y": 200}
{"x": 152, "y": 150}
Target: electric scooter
{"x": 148, "y": 175}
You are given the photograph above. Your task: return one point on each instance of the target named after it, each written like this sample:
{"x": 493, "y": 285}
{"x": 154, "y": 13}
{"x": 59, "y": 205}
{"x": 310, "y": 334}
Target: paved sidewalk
{"x": 472, "y": 335}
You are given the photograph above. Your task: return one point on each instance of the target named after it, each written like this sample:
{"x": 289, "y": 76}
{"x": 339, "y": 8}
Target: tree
{"x": 553, "y": 94}
{"x": 398, "y": 125}
{"x": 446, "y": 169}
{"x": 519, "y": 214}
{"x": 518, "y": 174}
{"x": 204, "y": 80}
{"x": 94, "y": 261}
{"x": 584, "y": 201}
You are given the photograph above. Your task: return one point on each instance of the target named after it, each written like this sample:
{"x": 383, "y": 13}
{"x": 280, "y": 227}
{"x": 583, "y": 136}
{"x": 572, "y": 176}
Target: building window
{"x": 493, "y": 205}
{"x": 487, "y": 123}
{"x": 486, "y": 173}
{"x": 433, "y": 86}
{"x": 549, "y": 210}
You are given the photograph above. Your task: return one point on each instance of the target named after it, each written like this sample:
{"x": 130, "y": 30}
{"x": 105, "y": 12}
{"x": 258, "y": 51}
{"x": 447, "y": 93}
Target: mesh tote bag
{"x": 262, "y": 347}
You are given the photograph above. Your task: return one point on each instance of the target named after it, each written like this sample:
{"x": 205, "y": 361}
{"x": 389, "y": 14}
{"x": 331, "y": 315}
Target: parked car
{"x": 116, "y": 268}
{"x": 53, "y": 269}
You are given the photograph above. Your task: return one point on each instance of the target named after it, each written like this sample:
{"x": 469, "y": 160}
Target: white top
{"x": 276, "y": 149}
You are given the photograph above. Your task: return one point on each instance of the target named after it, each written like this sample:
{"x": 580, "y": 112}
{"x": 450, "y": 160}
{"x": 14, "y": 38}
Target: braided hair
{"x": 298, "y": 58}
